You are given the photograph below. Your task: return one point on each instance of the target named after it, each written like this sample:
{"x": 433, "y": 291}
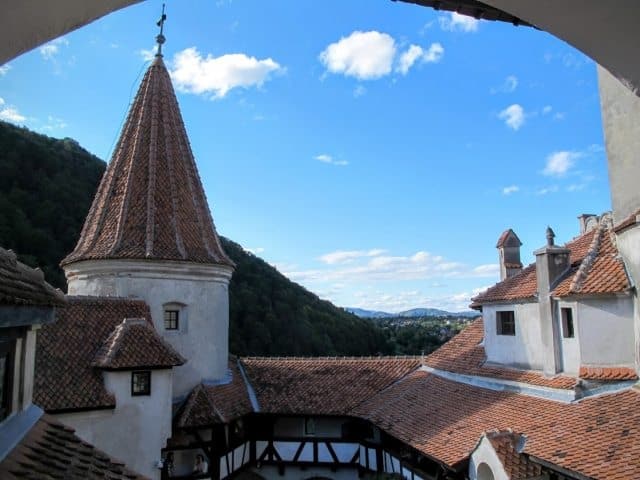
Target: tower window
{"x": 141, "y": 383}
{"x": 171, "y": 319}
{"x": 567, "y": 323}
{"x": 506, "y": 323}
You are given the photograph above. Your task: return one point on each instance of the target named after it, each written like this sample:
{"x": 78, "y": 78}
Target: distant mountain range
{"x": 414, "y": 312}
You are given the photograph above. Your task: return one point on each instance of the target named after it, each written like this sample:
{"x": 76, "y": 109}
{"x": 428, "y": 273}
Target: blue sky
{"x": 372, "y": 150}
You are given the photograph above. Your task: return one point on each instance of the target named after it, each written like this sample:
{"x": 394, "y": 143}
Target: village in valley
{"x": 166, "y": 357}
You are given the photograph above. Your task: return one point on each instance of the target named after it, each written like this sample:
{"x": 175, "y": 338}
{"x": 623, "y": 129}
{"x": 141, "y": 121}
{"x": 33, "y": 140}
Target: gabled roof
{"x": 517, "y": 465}
{"x": 23, "y": 285}
{"x": 64, "y": 376}
{"x": 213, "y": 404}
{"x": 51, "y": 450}
{"x": 597, "y": 436}
{"x": 465, "y": 354}
{"x": 134, "y": 343}
{"x": 150, "y": 203}
{"x": 508, "y": 239}
{"x": 596, "y": 268}
{"x": 322, "y": 385}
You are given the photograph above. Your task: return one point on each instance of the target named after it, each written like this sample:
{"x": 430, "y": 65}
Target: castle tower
{"x": 149, "y": 234}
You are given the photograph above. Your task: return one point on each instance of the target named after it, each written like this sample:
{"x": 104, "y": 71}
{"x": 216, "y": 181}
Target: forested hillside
{"x": 46, "y": 188}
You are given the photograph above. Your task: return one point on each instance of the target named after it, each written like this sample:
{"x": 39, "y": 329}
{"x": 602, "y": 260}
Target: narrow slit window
{"x": 567, "y": 323}
{"x": 6, "y": 379}
{"x": 141, "y": 383}
{"x": 506, "y": 323}
{"x": 171, "y": 319}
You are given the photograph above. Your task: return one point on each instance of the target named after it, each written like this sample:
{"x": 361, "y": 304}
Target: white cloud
{"x": 510, "y": 189}
{"x": 454, "y": 22}
{"x": 9, "y": 113}
{"x": 547, "y": 190}
{"x": 513, "y": 116}
{"x": 559, "y": 163}
{"x": 508, "y": 85}
{"x": 193, "y": 73}
{"x": 4, "y": 69}
{"x": 359, "y": 91}
{"x": 363, "y": 55}
{"x": 408, "y": 58}
{"x": 347, "y": 256}
{"x": 434, "y": 53}
{"x": 558, "y": 116}
{"x": 255, "y": 251}
{"x": 54, "y": 123}
{"x": 147, "y": 55}
{"x": 324, "y": 158}
{"x": 51, "y": 49}
{"x": 373, "y": 265}
{"x": 547, "y": 109}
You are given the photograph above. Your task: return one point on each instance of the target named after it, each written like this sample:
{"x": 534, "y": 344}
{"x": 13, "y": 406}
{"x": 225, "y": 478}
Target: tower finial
{"x": 160, "y": 37}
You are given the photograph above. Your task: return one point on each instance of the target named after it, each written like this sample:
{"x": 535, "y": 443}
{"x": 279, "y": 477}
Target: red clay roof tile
{"x": 212, "y": 404}
{"x": 607, "y": 373}
{"x": 150, "y": 203}
{"x": 20, "y": 284}
{"x": 50, "y": 450}
{"x": 64, "y": 376}
{"x": 134, "y": 343}
{"x": 322, "y": 386}
{"x": 517, "y": 465}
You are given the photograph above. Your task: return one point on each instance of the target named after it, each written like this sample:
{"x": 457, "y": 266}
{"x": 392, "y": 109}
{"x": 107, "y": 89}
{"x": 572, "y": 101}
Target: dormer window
{"x": 171, "y": 319}
{"x": 506, "y": 323}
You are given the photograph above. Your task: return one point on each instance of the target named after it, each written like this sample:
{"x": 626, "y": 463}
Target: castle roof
{"x": 23, "y": 285}
{"x": 91, "y": 333}
{"x": 150, "y": 203}
{"x": 596, "y": 268}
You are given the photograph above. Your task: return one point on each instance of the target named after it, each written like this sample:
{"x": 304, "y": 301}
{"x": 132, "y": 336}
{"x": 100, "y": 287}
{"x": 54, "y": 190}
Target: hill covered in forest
{"x": 46, "y": 189}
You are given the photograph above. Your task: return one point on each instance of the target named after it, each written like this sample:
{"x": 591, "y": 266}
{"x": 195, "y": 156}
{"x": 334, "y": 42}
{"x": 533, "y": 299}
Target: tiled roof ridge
{"x": 587, "y": 262}
{"x": 20, "y": 283}
{"x": 150, "y": 204}
{"x": 630, "y": 221}
{"x": 102, "y": 298}
{"x": 326, "y": 358}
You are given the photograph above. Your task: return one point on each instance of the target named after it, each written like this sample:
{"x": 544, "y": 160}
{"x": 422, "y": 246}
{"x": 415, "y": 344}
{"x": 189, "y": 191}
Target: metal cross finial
{"x": 550, "y": 237}
{"x": 160, "y": 37}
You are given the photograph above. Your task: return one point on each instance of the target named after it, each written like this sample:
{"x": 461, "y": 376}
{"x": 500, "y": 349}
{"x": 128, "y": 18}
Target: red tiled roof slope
{"x": 508, "y": 239}
{"x": 66, "y": 349}
{"x": 134, "y": 343}
{"x": 522, "y": 286}
{"x": 52, "y": 451}
{"x": 601, "y": 269}
{"x": 23, "y": 285}
{"x": 607, "y": 373}
{"x": 464, "y": 354}
{"x": 598, "y": 436}
{"x": 322, "y": 386}
{"x": 211, "y": 404}
{"x": 517, "y": 466}
{"x": 150, "y": 203}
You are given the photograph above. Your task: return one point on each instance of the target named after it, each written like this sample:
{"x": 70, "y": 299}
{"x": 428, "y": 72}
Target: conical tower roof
{"x": 150, "y": 203}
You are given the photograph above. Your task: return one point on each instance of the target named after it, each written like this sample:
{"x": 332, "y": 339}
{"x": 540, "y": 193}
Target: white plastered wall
{"x": 569, "y": 347}
{"x": 144, "y": 421}
{"x": 203, "y": 336}
{"x": 606, "y": 330}
{"x": 523, "y": 349}
{"x": 484, "y": 453}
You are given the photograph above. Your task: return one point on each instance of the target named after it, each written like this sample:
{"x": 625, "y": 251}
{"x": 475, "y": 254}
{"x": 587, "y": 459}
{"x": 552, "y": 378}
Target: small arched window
{"x": 484, "y": 472}
{"x": 174, "y": 316}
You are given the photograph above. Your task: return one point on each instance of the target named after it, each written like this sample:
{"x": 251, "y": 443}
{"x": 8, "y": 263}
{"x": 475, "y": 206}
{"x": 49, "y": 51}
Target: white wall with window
{"x": 512, "y": 335}
{"x": 569, "y": 339}
{"x": 144, "y": 419}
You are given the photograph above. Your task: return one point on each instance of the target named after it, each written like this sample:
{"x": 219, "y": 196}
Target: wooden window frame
{"x": 171, "y": 323}
{"x": 568, "y": 324}
{"x": 140, "y": 393}
{"x": 506, "y": 323}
